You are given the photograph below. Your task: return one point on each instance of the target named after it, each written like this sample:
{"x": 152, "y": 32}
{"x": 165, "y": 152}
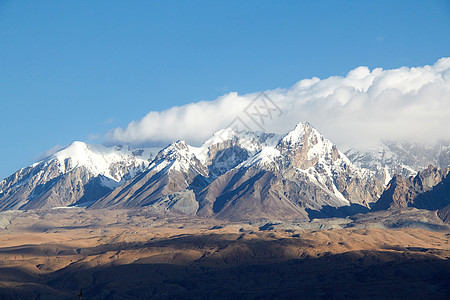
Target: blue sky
{"x": 73, "y": 70}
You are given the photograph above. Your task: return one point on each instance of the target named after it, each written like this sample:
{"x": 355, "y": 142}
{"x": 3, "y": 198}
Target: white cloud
{"x": 406, "y": 104}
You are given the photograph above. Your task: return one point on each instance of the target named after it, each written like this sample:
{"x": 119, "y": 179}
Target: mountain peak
{"x": 220, "y": 136}
{"x": 295, "y": 136}
{"x": 75, "y": 149}
{"x": 99, "y": 159}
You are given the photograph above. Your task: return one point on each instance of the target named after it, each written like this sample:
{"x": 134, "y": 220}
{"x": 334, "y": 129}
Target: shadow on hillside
{"x": 355, "y": 274}
{"x": 337, "y": 212}
{"x": 438, "y": 197}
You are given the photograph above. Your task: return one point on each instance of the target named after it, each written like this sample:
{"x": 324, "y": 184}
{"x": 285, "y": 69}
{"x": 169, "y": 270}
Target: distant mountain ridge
{"x": 388, "y": 158}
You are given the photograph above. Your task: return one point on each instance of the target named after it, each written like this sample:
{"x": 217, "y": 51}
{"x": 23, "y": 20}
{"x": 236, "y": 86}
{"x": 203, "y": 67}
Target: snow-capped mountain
{"x": 181, "y": 169}
{"x": 233, "y": 175}
{"x": 389, "y": 158}
{"x": 114, "y": 163}
{"x": 174, "y": 170}
{"x": 77, "y": 174}
{"x": 302, "y": 174}
{"x": 248, "y": 175}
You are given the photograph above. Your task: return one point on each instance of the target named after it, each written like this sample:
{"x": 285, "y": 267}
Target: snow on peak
{"x": 175, "y": 151}
{"x": 248, "y": 140}
{"x": 267, "y": 155}
{"x": 304, "y": 135}
{"x": 219, "y": 137}
{"x": 99, "y": 159}
{"x": 178, "y": 156}
{"x": 77, "y": 151}
{"x": 294, "y": 136}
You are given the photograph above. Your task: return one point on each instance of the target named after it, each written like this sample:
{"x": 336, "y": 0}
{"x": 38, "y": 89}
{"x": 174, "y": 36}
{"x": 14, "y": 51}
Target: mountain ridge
{"x": 429, "y": 189}
{"x": 78, "y": 173}
{"x": 267, "y": 175}
{"x": 232, "y": 175}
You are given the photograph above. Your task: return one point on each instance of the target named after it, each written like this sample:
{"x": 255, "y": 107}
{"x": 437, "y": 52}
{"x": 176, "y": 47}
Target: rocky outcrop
{"x": 444, "y": 214}
{"x": 429, "y": 189}
{"x": 330, "y": 167}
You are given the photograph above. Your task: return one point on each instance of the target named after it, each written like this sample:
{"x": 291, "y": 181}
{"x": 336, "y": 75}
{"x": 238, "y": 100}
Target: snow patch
{"x": 64, "y": 207}
{"x": 100, "y": 160}
{"x": 295, "y": 136}
{"x": 267, "y": 155}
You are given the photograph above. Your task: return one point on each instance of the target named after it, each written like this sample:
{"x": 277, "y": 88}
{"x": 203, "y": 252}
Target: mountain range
{"x": 234, "y": 175}
{"x": 76, "y": 175}
{"x": 388, "y": 158}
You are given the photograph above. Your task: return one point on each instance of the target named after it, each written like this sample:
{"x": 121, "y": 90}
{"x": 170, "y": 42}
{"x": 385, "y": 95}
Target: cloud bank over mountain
{"x": 404, "y": 104}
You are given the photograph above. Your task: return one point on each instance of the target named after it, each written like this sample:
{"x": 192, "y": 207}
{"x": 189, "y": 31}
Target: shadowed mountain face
{"x": 444, "y": 214}
{"x": 429, "y": 189}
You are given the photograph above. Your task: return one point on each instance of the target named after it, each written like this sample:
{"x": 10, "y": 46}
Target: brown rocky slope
{"x": 429, "y": 189}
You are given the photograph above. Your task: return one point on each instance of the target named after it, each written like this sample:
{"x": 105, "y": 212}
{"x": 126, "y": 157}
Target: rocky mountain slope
{"x": 241, "y": 176}
{"x": 429, "y": 189}
{"x": 300, "y": 173}
{"x": 77, "y": 174}
{"x": 181, "y": 171}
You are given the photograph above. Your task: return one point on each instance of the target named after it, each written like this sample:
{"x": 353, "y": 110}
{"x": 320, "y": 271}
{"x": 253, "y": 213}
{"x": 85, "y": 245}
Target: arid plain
{"x": 124, "y": 254}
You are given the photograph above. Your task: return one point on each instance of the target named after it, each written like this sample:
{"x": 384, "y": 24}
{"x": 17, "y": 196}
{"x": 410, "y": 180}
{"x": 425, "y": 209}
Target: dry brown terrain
{"x": 118, "y": 254}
